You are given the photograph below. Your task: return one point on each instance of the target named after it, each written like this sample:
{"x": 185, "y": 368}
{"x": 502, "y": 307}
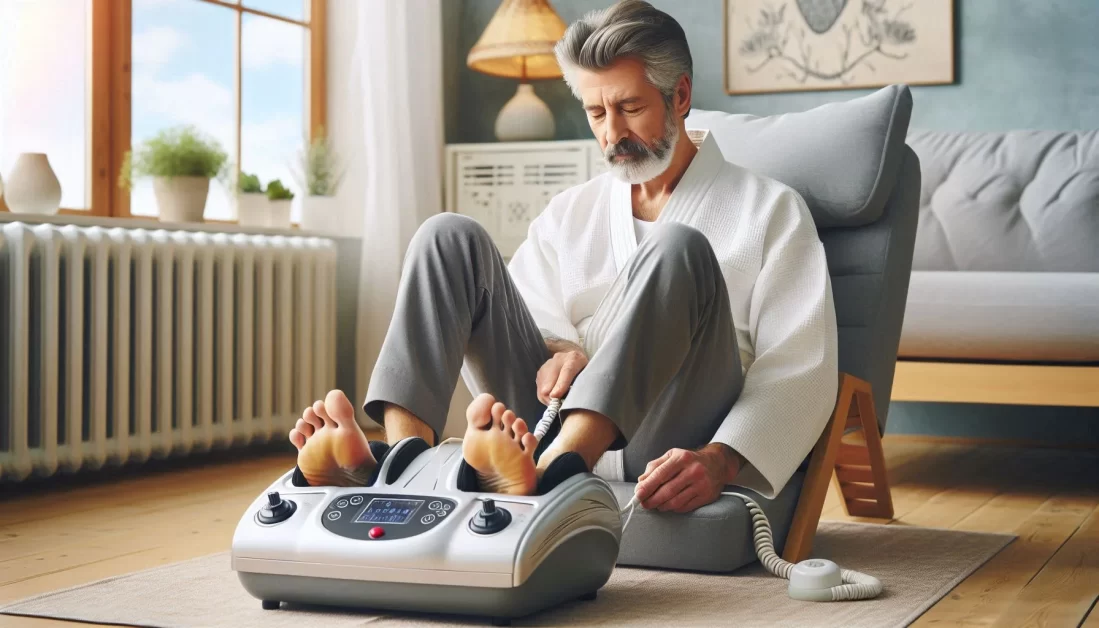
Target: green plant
{"x": 180, "y": 151}
{"x": 276, "y": 191}
{"x": 318, "y": 170}
{"x": 250, "y": 184}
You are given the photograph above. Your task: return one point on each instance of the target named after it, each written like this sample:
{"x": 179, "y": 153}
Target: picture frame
{"x": 776, "y": 46}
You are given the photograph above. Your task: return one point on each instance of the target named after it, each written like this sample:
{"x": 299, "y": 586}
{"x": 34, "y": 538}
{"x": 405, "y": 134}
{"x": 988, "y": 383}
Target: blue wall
{"x": 1019, "y": 64}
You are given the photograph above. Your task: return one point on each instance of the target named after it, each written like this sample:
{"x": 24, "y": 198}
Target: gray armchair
{"x": 850, "y": 163}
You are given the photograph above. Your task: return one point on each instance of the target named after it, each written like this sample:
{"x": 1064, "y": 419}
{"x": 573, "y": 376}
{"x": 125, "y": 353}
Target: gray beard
{"x": 645, "y": 163}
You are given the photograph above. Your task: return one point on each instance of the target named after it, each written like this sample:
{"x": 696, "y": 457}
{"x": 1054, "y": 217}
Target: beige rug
{"x": 918, "y": 566}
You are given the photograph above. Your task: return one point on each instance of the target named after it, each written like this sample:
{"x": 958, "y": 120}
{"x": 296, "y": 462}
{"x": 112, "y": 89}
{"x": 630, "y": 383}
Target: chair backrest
{"x": 850, "y": 163}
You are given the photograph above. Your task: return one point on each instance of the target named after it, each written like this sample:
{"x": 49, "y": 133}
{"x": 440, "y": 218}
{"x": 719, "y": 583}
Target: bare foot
{"x": 499, "y": 447}
{"x": 332, "y": 449}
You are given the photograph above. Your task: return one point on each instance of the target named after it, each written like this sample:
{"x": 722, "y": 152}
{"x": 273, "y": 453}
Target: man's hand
{"x": 682, "y": 480}
{"x": 555, "y": 377}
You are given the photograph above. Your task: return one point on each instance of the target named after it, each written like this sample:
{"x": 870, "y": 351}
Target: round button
{"x": 435, "y": 505}
{"x": 332, "y": 516}
{"x": 427, "y": 519}
{"x": 377, "y": 532}
{"x": 446, "y": 506}
{"x": 341, "y": 504}
{"x": 356, "y": 500}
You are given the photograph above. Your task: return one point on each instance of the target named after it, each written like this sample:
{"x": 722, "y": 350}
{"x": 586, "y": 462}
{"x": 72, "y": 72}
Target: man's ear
{"x": 683, "y": 91}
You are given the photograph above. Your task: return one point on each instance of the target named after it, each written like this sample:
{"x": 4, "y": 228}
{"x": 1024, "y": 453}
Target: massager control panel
{"x": 384, "y": 517}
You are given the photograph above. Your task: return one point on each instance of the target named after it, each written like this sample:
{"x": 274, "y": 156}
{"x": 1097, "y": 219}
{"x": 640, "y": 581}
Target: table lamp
{"x": 518, "y": 43}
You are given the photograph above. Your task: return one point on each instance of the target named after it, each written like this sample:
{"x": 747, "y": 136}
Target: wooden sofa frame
{"x": 1013, "y": 384}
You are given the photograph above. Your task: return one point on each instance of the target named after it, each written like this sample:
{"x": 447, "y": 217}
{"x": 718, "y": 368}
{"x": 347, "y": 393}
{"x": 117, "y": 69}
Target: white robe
{"x": 774, "y": 268}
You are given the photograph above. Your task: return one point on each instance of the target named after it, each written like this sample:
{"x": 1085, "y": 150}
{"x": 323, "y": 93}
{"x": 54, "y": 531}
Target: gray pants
{"x": 663, "y": 358}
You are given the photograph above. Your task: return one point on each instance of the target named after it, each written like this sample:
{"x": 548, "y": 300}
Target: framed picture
{"x": 804, "y": 45}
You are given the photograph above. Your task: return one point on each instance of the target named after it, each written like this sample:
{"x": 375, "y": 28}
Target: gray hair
{"x": 630, "y": 28}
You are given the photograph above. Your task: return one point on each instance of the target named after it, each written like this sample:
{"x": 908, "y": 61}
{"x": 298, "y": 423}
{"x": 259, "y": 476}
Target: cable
{"x": 814, "y": 579}
{"x": 550, "y": 415}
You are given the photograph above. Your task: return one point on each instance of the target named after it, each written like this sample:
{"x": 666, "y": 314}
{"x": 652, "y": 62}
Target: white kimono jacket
{"x": 773, "y": 265}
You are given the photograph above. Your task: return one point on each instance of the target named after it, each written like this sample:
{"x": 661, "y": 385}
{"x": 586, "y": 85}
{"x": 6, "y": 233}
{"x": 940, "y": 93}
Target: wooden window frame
{"x": 109, "y": 81}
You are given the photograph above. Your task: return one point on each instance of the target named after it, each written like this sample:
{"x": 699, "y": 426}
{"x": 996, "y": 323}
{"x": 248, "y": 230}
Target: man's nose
{"x": 615, "y": 129}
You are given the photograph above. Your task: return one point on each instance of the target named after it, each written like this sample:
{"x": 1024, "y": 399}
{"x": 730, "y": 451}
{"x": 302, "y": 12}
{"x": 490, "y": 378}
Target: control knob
{"x": 489, "y": 519}
{"x": 276, "y": 510}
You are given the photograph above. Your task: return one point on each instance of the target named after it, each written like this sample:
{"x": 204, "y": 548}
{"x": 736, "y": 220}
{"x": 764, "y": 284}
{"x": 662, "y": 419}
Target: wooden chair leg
{"x": 863, "y": 485}
{"x": 860, "y": 475}
{"x": 799, "y": 540}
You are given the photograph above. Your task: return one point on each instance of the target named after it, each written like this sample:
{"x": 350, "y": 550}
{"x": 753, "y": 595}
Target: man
{"x": 679, "y": 305}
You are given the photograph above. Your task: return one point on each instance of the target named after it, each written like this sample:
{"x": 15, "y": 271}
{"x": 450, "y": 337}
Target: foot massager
{"x": 415, "y": 541}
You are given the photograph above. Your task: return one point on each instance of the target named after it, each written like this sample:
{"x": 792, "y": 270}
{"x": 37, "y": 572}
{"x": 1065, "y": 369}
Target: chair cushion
{"x": 1008, "y": 201}
{"x": 716, "y": 537}
{"x": 1027, "y": 317}
{"x": 841, "y": 157}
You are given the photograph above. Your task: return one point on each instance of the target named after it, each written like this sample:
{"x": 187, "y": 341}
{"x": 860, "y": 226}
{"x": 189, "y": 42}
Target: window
{"x": 247, "y": 74}
{"x": 43, "y": 90}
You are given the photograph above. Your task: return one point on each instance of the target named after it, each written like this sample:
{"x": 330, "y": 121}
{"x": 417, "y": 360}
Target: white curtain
{"x": 398, "y": 55}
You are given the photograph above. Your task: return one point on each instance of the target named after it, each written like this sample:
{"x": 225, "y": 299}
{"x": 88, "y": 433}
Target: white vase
{"x": 278, "y": 213}
{"x": 33, "y": 187}
{"x": 181, "y": 199}
{"x": 525, "y": 118}
{"x": 253, "y": 210}
{"x": 320, "y": 214}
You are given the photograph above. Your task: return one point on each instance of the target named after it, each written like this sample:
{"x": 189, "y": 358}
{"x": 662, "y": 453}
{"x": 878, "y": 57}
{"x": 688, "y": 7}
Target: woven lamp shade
{"x": 518, "y": 41}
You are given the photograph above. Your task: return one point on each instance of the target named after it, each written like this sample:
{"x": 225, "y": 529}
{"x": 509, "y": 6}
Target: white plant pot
{"x": 320, "y": 214}
{"x": 181, "y": 199}
{"x": 33, "y": 187}
{"x": 252, "y": 210}
{"x": 278, "y": 213}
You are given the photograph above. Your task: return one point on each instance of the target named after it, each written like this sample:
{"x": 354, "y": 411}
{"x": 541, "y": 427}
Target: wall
{"x": 1019, "y": 64}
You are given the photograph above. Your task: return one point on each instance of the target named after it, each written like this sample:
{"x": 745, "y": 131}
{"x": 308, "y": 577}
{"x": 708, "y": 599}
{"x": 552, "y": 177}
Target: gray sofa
{"x": 1006, "y": 261}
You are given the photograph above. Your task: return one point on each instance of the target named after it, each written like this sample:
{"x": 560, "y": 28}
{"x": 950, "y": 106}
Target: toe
{"x": 297, "y": 438}
{"x": 498, "y": 410}
{"x": 479, "y": 412}
{"x": 509, "y": 420}
{"x": 339, "y": 408}
{"x": 306, "y": 429}
{"x": 529, "y": 443}
{"x": 519, "y": 427}
{"x": 321, "y": 411}
{"x": 311, "y": 418}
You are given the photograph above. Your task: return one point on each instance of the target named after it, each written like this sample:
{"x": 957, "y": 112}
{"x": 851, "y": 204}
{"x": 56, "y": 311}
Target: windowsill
{"x": 150, "y": 224}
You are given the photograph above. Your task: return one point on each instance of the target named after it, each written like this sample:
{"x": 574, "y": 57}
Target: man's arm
{"x": 790, "y": 388}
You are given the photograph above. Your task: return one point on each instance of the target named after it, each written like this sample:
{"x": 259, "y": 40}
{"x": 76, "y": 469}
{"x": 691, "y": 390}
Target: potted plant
{"x": 318, "y": 172}
{"x": 181, "y": 162}
{"x": 278, "y": 205}
{"x": 252, "y": 210}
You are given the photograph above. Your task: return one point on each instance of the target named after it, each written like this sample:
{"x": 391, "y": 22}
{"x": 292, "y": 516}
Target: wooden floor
{"x": 1049, "y": 576}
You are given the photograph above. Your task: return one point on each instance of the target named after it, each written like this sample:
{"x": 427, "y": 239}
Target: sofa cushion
{"x": 1010, "y": 316}
{"x": 1011, "y": 201}
{"x": 841, "y": 157}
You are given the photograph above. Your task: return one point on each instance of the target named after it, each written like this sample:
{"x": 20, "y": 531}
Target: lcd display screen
{"x": 394, "y": 511}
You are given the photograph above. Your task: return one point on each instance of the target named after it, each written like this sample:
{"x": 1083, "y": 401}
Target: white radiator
{"x": 120, "y": 345}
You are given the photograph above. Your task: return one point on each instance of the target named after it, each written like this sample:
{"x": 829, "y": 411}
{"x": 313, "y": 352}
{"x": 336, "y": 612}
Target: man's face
{"x": 635, "y": 129}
